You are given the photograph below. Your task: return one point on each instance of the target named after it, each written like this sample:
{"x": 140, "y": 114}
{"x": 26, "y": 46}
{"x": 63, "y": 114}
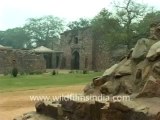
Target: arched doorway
{"x": 75, "y": 60}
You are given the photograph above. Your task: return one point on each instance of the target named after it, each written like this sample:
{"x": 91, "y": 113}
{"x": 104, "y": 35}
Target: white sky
{"x": 13, "y": 13}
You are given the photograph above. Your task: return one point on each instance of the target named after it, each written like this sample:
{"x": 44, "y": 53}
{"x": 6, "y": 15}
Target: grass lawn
{"x": 8, "y": 83}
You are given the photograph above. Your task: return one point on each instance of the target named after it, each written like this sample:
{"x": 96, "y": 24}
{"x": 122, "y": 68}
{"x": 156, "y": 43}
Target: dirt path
{"x": 16, "y": 103}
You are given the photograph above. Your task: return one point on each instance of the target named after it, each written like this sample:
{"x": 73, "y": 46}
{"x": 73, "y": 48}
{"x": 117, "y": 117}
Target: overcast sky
{"x": 13, "y": 13}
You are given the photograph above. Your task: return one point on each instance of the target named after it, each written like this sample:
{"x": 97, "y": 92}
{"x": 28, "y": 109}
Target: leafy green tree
{"x": 16, "y": 38}
{"x": 81, "y": 23}
{"x": 144, "y": 25}
{"x": 129, "y": 12}
{"x": 107, "y": 30}
{"x": 44, "y": 30}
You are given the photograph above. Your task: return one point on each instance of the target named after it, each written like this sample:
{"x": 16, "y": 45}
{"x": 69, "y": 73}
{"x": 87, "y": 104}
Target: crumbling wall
{"x": 83, "y": 47}
{"x": 93, "y": 55}
{"x": 25, "y": 61}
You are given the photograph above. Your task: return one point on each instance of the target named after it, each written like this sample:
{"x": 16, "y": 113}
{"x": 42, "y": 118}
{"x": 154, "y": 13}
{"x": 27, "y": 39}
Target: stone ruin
{"x": 137, "y": 75}
{"x": 23, "y": 60}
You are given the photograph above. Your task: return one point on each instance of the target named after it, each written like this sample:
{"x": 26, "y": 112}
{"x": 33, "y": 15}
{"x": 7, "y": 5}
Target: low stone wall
{"x": 23, "y": 60}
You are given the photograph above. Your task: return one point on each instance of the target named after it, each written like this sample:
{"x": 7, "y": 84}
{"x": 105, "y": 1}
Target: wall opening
{"x": 57, "y": 61}
{"x": 75, "y": 60}
{"x": 48, "y": 58}
{"x": 76, "y": 40}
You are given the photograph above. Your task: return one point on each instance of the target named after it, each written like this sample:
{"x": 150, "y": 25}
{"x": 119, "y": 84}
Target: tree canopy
{"x": 129, "y": 12}
{"x": 81, "y": 23}
{"x": 124, "y": 26}
{"x": 16, "y": 37}
{"x": 43, "y": 30}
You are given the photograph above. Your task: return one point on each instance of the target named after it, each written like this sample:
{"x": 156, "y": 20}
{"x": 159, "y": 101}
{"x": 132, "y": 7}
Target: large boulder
{"x": 153, "y": 52}
{"x": 33, "y": 116}
{"x": 151, "y": 88}
{"x": 141, "y": 49}
{"x": 110, "y": 71}
{"x": 111, "y": 87}
{"x": 121, "y": 111}
{"x": 124, "y": 69}
{"x": 50, "y": 109}
{"x": 156, "y": 68}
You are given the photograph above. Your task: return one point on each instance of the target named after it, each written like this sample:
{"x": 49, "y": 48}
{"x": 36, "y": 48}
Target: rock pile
{"x": 138, "y": 72}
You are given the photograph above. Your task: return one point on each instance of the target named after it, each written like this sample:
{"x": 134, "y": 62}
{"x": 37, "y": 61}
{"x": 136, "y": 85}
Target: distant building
{"x": 24, "y": 60}
{"x": 82, "y": 51}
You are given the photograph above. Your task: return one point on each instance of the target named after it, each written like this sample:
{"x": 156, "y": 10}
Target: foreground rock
{"x": 69, "y": 109}
{"x": 33, "y": 116}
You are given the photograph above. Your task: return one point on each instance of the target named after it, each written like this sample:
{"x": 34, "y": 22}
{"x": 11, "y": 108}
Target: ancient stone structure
{"x": 82, "y": 51}
{"x": 23, "y": 60}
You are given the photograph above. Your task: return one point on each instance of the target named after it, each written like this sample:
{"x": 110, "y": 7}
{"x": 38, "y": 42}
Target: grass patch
{"x": 8, "y": 83}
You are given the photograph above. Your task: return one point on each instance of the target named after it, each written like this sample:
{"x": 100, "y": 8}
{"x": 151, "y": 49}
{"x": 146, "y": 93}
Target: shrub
{"x": 71, "y": 71}
{"x": 14, "y": 72}
{"x": 85, "y": 71}
{"x": 54, "y": 72}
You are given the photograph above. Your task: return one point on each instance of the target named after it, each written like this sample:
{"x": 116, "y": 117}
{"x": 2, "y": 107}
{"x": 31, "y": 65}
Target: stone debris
{"x": 23, "y": 60}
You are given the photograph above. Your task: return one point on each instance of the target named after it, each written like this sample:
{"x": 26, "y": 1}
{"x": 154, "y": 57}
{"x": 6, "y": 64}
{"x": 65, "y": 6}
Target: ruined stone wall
{"x": 83, "y": 47}
{"x": 93, "y": 55}
{"x": 25, "y": 61}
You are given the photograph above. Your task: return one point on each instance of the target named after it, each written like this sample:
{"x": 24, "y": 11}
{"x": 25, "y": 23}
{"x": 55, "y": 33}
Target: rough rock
{"x": 50, "y": 109}
{"x": 153, "y": 52}
{"x": 110, "y": 71}
{"x": 141, "y": 49}
{"x": 111, "y": 87}
{"x": 33, "y": 116}
{"x": 100, "y": 80}
{"x": 124, "y": 69}
{"x": 151, "y": 88}
{"x": 120, "y": 111}
{"x": 89, "y": 89}
{"x": 156, "y": 68}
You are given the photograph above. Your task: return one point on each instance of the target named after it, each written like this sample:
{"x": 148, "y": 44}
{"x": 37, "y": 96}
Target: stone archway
{"x": 75, "y": 60}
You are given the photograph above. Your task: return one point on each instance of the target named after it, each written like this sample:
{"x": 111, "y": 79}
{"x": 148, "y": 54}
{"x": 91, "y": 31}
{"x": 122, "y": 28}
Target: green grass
{"x": 8, "y": 83}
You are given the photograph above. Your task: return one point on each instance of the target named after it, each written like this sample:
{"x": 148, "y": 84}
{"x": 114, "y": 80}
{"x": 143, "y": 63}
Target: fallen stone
{"x": 151, "y": 88}
{"x": 33, "y": 116}
{"x": 89, "y": 89}
{"x": 110, "y": 71}
{"x": 111, "y": 87}
{"x": 141, "y": 49}
{"x": 124, "y": 69}
{"x": 119, "y": 111}
{"x": 156, "y": 68}
{"x": 49, "y": 109}
{"x": 152, "y": 54}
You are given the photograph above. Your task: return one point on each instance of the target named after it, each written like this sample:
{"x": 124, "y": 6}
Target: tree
{"x": 16, "y": 38}
{"x": 143, "y": 27}
{"x": 107, "y": 30}
{"x": 129, "y": 12}
{"x": 81, "y": 23}
{"x": 44, "y": 30}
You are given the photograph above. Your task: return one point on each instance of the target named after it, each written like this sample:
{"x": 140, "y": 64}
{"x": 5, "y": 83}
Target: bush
{"x": 85, "y": 71}
{"x": 14, "y": 72}
{"x": 54, "y": 72}
{"x": 71, "y": 71}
